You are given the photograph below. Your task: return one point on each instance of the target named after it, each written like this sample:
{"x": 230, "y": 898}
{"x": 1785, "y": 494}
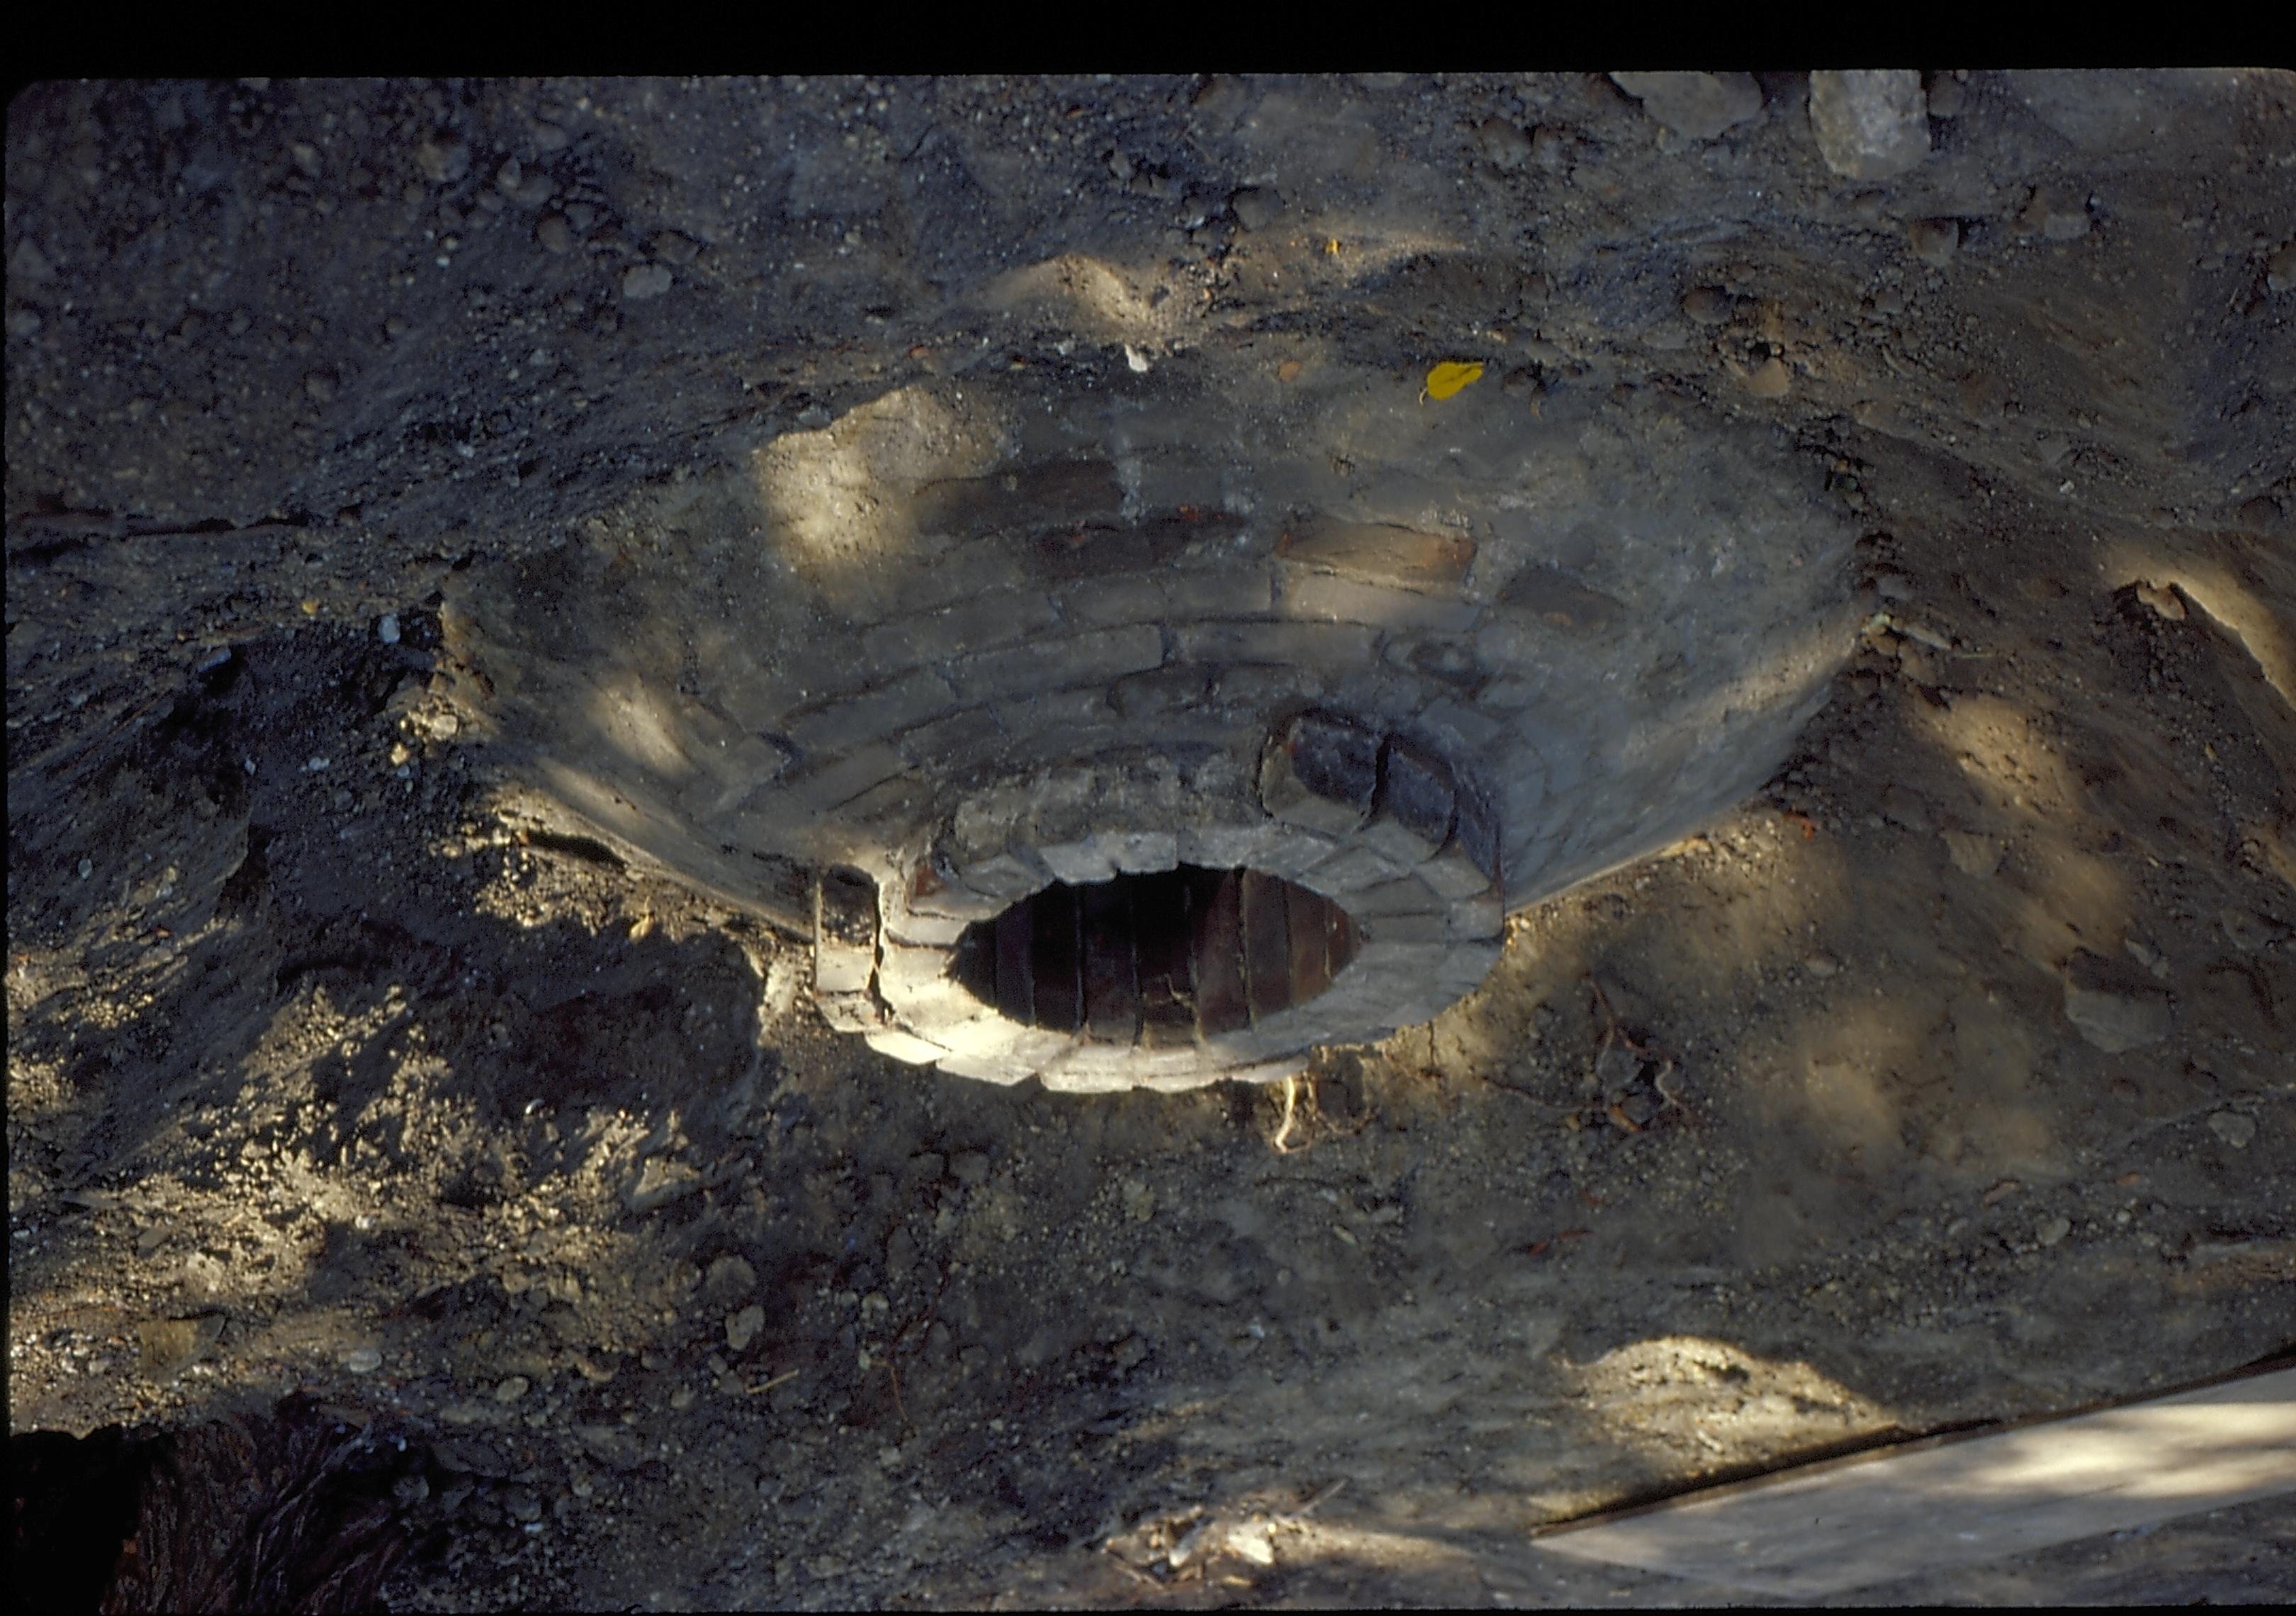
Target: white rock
{"x": 1870, "y": 123}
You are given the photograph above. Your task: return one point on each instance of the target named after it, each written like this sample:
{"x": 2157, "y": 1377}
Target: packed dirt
{"x": 1946, "y": 1081}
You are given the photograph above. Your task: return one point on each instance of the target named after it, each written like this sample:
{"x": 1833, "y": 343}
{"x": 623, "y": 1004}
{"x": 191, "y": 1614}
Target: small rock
{"x": 305, "y": 157}
{"x": 363, "y": 1360}
{"x": 522, "y": 1504}
{"x": 741, "y": 1328}
{"x": 616, "y": 1447}
{"x": 1906, "y": 809}
{"x": 167, "y": 1346}
{"x": 1948, "y": 96}
{"x": 729, "y": 1279}
{"x": 320, "y": 386}
{"x": 969, "y": 1168}
{"x": 443, "y": 159}
{"x": 673, "y": 247}
{"x": 1698, "y": 105}
{"x": 1769, "y": 379}
{"x": 554, "y": 232}
{"x": 386, "y": 628}
{"x": 660, "y": 1182}
{"x": 2235, "y": 1128}
{"x": 1870, "y": 123}
{"x": 2248, "y": 932}
{"x": 2113, "y": 1012}
{"x": 511, "y": 1389}
{"x": 2280, "y": 269}
{"x": 2054, "y": 1230}
{"x": 1255, "y": 207}
{"x": 1552, "y": 149}
{"x": 1935, "y": 240}
{"x": 1971, "y": 854}
{"x": 86, "y": 868}
{"x": 1503, "y": 144}
{"x": 2055, "y": 213}
{"x": 29, "y": 263}
{"x": 2260, "y": 514}
{"x": 641, "y": 281}
{"x": 1821, "y": 966}
{"x": 1706, "y": 304}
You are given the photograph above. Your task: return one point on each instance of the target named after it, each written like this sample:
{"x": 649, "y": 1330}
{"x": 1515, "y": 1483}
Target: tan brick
{"x": 1331, "y": 598}
{"x": 1379, "y": 553}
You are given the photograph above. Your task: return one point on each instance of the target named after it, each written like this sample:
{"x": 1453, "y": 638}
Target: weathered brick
{"x": 1331, "y": 598}
{"x": 1044, "y": 494}
{"x": 1056, "y": 960}
{"x": 1216, "y": 951}
{"x": 1160, "y": 919}
{"x": 1476, "y": 833}
{"x": 830, "y": 780}
{"x": 1002, "y": 877}
{"x": 1080, "y": 862}
{"x": 1480, "y": 916}
{"x": 988, "y": 1068}
{"x": 1378, "y": 552}
{"x": 1144, "y": 852}
{"x": 1467, "y": 729}
{"x": 947, "y": 744}
{"x": 1284, "y": 644}
{"x": 1236, "y": 592}
{"x": 997, "y": 618}
{"x": 1266, "y": 930}
{"x": 1098, "y": 658}
{"x": 1411, "y": 817}
{"x": 1405, "y": 895}
{"x": 904, "y": 1046}
{"x": 847, "y": 723}
{"x": 850, "y": 1012}
{"x": 1112, "y": 987}
{"x": 960, "y": 571}
{"x": 1016, "y": 976}
{"x": 1121, "y": 597}
{"x": 1320, "y": 771}
{"x": 1355, "y": 868}
{"x": 1454, "y": 874}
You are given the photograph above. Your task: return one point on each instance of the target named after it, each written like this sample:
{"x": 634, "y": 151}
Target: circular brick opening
{"x": 1161, "y": 960}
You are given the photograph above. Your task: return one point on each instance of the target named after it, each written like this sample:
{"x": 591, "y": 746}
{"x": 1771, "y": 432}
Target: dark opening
{"x": 1159, "y": 960}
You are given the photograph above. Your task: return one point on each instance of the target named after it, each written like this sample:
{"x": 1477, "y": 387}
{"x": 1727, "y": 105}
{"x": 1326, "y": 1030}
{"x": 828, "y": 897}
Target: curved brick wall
{"x": 1429, "y": 661}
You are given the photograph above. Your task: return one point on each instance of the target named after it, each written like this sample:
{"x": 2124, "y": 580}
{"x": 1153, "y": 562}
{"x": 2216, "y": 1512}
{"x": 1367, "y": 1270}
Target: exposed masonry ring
{"x": 984, "y": 639}
{"x": 1404, "y": 848}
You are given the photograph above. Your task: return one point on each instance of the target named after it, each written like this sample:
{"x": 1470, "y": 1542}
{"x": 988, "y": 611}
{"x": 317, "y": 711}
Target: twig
{"x": 786, "y": 1374}
{"x": 1290, "y": 1102}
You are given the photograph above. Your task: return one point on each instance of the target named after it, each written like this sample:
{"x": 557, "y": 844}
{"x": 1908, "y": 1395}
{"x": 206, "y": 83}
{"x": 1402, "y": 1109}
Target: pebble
{"x": 969, "y": 1168}
{"x": 2235, "y": 1128}
{"x": 1698, "y": 105}
{"x": 1935, "y": 240}
{"x": 730, "y": 1279}
{"x": 86, "y": 868}
{"x": 1948, "y": 96}
{"x": 2057, "y": 215}
{"x": 644, "y": 281}
{"x": 2054, "y": 1230}
{"x": 1706, "y": 304}
{"x": 386, "y": 628}
{"x": 1870, "y": 123}
{"x": 2280, "y": 269}
{"x": 671, "y": 247}
{"x": 522, "y": 1504}
{"x": 2118, "y": 1020}
{"x": 554, "y": 232}
{"x": 363, "y": 1360}
{"x": 443, "y": 159}
{"x": 741, "y": 1328}
{"x": 1906, "y": 810}
{"x": 511, "y": 1389}
{"x": 320, "y": 386}
{"x": 1971, "y": 854}
{"x": 1504, "y": 143}
{"x": 1769, "y": 379}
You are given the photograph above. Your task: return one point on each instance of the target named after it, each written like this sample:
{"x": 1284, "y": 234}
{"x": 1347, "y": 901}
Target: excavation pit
{"x": 1157, "y": 961}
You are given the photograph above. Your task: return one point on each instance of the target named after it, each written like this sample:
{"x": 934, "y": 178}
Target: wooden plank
{"x": 1953, "y": 1501}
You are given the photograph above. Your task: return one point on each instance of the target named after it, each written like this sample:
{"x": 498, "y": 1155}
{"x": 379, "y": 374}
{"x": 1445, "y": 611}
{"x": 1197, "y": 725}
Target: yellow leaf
{"x": 1449, "y": 377}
